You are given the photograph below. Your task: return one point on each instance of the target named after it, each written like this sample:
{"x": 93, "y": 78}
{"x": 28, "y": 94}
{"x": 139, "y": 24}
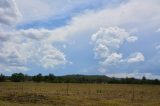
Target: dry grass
{"x": 48, "y": 94}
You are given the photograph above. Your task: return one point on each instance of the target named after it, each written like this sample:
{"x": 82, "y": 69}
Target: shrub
{"x": 17, "y": 77}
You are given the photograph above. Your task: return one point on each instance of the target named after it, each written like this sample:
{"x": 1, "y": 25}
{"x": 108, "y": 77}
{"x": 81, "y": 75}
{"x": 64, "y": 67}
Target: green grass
{"x": 51, "y": 94}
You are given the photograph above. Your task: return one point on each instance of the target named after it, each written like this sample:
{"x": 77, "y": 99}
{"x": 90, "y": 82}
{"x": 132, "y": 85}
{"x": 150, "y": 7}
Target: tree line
{"x": 20, "y": 77}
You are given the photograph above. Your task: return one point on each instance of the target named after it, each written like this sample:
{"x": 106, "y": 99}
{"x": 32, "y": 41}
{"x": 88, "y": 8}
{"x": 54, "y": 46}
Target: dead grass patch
{"x": 25, "y": 98}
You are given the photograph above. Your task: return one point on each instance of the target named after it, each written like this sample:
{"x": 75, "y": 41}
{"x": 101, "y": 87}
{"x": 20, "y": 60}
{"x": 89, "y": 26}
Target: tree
{"x": 156, "y": 81}
{"x": 143, "y": 78}
{"x": 38, "y": 78}
{"x": 17, "y": 77}
{"x": 51, "y": 77}
{"x": 2, "y": 78}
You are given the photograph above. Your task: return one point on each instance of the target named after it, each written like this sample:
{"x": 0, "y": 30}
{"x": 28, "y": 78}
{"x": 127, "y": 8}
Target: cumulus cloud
{"x": 29, "y": 46}
{"x": 136, "y": 57}
{"x": 108, "y": 40}
{"x": 9, "y": 13}
{"x": 13, "y": 56}
{"x": 106, "y": 43}
{"x": 112, "y": 59}
{"x": 51, "y": 57}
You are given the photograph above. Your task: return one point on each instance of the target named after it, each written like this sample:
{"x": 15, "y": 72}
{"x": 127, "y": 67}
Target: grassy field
{"x": 48, "y": 94}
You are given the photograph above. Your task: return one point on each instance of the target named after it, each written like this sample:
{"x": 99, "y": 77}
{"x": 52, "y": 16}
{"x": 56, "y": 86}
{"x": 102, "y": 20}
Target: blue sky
{"x": 106, "y": 37}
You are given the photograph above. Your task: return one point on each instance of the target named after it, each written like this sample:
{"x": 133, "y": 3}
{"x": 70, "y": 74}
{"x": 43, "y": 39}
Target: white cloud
{"x": 32, "y": 34}
{"x": 107, "y": 41}
{"x": 9, "y": 13}
{"x": 41, "y": 34}
{"x": 34, "y": 9}
{"x": 51, "y": 57}
{"x": 112, "y": 59}
{"x": 132, "y": 38}
{"x": 13, "y": 56}
{"x": 36, "y": 34}
{"x": 22, "y": 47}
{"x": 136, "y": 57}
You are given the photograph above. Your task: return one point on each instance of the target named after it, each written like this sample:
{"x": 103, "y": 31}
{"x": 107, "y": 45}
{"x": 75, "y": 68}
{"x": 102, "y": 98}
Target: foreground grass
{"x": 50, "y": 94}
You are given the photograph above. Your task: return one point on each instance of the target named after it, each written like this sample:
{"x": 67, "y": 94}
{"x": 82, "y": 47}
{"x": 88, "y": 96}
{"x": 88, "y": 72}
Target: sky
{"x": 116, "y": 38}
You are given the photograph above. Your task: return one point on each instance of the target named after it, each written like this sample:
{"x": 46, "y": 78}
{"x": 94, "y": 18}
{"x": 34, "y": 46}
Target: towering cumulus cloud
{"x": 107, "y": 41}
